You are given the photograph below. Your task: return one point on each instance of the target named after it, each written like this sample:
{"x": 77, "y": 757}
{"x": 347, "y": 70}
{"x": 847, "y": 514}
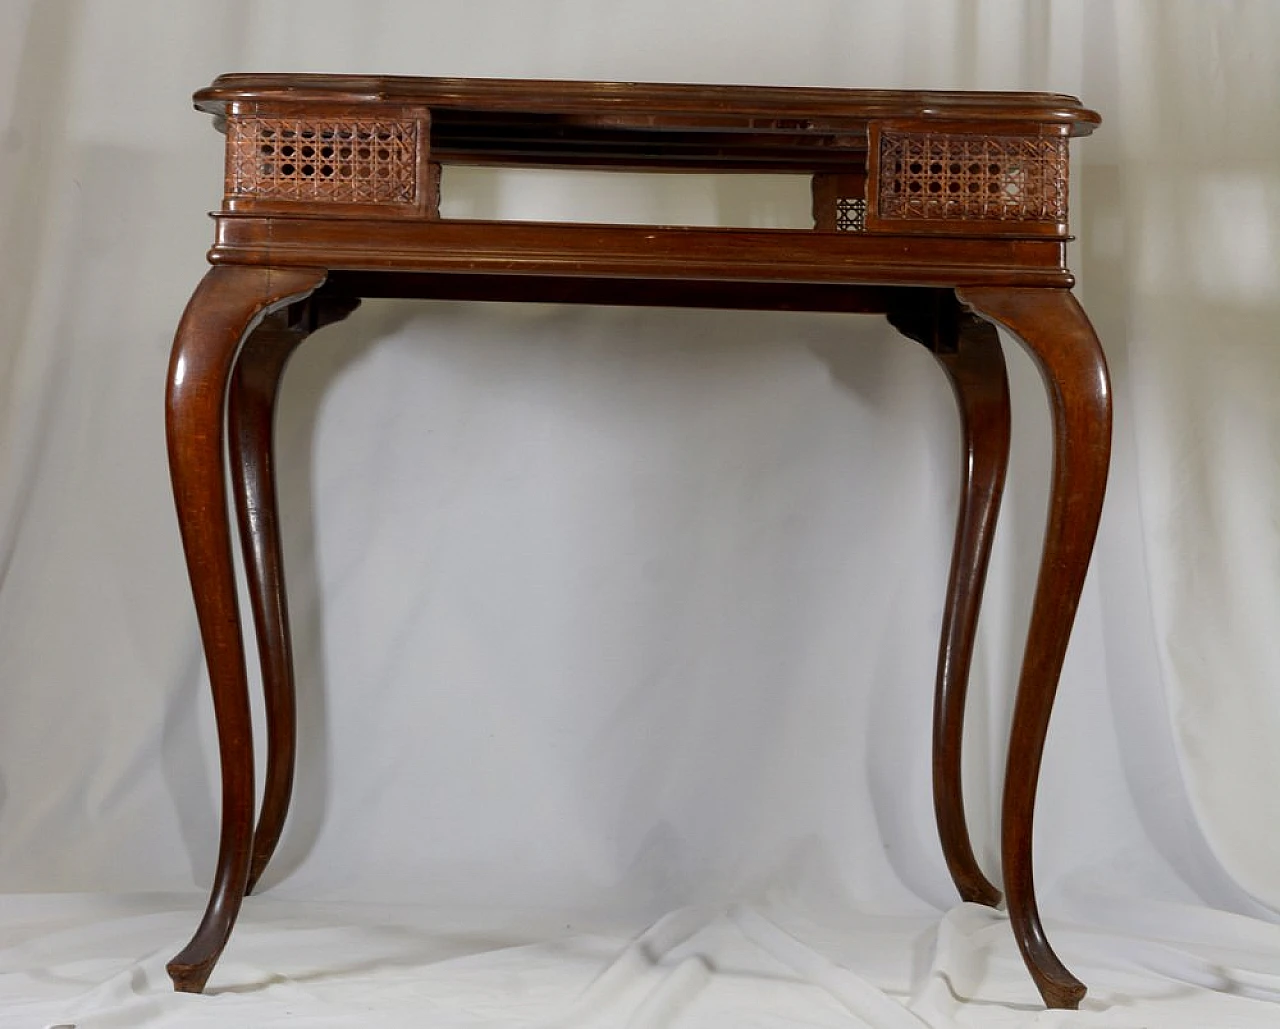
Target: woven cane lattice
{"x": 345, "y": 162}
{"x": 851, "y": 214}
{"x": 937, "y": 176}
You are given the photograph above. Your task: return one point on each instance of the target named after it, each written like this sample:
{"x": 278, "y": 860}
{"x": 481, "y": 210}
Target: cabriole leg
{"x": 226, "y": 306}
{"x": 1056, "y": 332}
{"x": 976, "y": 370}
{"x": 255, "y": 385}
{"x": 968, "y": 350}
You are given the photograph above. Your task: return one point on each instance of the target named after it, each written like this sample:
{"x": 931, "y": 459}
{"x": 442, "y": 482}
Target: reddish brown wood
{"x": 963, "y": 192}
{"x": 224, "y": 308}
{"x": 559, "y": 105}
{"x": 968, "y": 350}
{"x": 640, "y": 251}
{"x": 831, "y": 191}
{"x": 977, "y": 373}
{"x": 251, "y": 399}
{"x": 630, "y": 292}
{"x": 1057, "y": 334}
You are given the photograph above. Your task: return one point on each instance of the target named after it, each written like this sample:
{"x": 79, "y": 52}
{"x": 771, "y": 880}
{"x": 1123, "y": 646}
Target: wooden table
{"x": 947, "y": 212}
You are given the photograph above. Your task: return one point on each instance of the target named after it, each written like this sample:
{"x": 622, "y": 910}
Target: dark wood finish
{"x": 251, "y": 401}
{"x": 717, "y": 108}
{"x": 945, "y": 211}
{"x": 831, "y": 190}
{"x": 638, "y": 252}
{"x": 627, "y": 292}
{"x": 1056, "y": 332}
{"x": 225, "y": 308}
{"x": 977, "y": 374}
{"x": 968, "y": 350}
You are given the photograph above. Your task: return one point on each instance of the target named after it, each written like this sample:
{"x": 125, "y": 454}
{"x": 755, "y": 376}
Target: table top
{"x": 650, "y": 125}
{"x": 764, "y": 108}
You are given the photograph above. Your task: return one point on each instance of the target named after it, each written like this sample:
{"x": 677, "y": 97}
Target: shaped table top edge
{"x": 789, "y": 108}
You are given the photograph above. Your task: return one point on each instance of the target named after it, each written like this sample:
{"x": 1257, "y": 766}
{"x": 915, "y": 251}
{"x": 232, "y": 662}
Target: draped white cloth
{"x": 615, "y": 627}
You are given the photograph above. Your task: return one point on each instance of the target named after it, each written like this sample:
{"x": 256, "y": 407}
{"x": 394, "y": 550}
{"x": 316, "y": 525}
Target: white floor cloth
{"x": 616, "y": 628}
{"x": 97, "y": 962}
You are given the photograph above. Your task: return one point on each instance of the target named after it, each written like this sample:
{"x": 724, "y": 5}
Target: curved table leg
{"x": 226, "y": 306}
{"x": 1056, "y": 332}
{"x": 251, "y": 400}
{"x": 976, "y": 370}
{"x": 968, "y": 349}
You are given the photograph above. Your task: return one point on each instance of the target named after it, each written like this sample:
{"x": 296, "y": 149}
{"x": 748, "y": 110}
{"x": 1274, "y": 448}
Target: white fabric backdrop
{"x": 609, "y": 619}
